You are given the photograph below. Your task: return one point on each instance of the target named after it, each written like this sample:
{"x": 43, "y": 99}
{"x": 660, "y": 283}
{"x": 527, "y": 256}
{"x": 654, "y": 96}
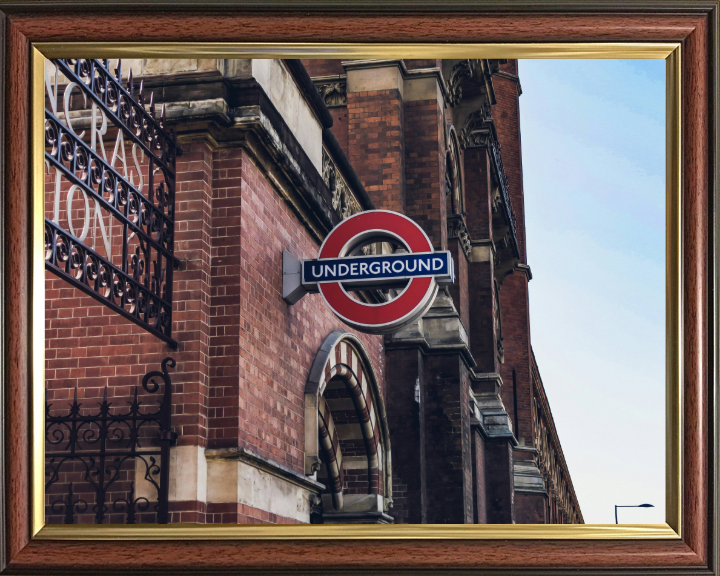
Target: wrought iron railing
{"x": 139, "y": 287}
{"x": 93, "y": 458}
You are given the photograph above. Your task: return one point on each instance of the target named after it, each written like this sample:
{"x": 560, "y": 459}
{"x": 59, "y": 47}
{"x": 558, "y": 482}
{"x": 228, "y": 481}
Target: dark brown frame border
{"x": 694, "y": 24}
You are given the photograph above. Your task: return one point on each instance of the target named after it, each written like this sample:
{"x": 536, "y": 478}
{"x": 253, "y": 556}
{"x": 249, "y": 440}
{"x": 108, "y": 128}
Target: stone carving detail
{"x": 498, "y": 326}
{"x": 496, "y": 201}
{"x": 456, "y": 228}
{"x": 479, "y": 132}
{"x": 333, "y": 93}
{"x": 343, "y": 200}
{"x": 453, "y": 172}
{"x": 461, "y": 72}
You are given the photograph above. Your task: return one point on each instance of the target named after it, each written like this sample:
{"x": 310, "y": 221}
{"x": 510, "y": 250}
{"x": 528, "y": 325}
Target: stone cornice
{"x": 380, "y": 63}
{"x": 266, "y": 465}
{"x": 524, "y": 269}
{"x": 490, "y": 416}
{"x": 492, "y": 377}
{"x": 439, "y": 331}
{"x": 256, "y": 125}
{"x": 413, "y": 74}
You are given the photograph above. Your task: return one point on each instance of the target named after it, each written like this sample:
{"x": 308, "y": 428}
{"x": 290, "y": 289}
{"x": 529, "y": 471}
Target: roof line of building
{"x": 553, "y": 431}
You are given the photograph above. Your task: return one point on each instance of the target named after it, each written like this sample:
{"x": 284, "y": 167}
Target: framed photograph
{"x": 265, "y": 291}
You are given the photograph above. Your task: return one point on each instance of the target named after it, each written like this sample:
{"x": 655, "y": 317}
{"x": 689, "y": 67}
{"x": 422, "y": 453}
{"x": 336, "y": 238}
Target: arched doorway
{"x": 347, "y": 445}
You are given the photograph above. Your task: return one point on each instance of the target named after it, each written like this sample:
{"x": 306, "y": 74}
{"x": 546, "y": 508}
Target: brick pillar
{"x": 514, "y": 292}
{"x": 376, "y": 145}
{"x": 514, "y": 301}
{"x": 425, "y": 167}
{"x": 406, "y": 423}
{"x": 499, "y": 482}
{"x": 193, "y": 200}
{"x": 226, "y": 411}
{"x": 479, "y": 478}
{"x": 448, "y": 448}
{"x": 460, "y": 290}
{"x": 481, "y": 269}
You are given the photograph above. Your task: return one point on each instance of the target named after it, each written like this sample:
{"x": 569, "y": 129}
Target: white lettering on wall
{"x": 106, "y": 234}
{"x": 97, "y": 133}
{"x": 86, "y": 221}
{"x": 52, "y": 94}
{"x": 66, "y": 102}
{"x": 119, "y": 154}
{"x": 137, "y": 162}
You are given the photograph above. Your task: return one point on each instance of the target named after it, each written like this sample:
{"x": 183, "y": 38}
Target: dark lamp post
{"x": 636, "y": 506}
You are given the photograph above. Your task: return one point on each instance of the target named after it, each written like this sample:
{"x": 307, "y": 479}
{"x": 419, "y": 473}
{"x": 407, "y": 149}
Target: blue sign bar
{"x": 374, "y": 270}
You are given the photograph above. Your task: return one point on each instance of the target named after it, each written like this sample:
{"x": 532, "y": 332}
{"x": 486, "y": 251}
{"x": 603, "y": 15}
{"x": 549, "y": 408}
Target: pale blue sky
{"x": 593, "y": 138}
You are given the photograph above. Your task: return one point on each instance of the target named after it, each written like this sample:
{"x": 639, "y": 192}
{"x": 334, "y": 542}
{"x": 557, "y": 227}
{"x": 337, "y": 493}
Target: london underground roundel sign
{"x": 341, "y": 265}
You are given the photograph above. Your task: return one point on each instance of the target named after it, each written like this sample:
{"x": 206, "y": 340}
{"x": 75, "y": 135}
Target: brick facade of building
{"x": 266, "y": 395}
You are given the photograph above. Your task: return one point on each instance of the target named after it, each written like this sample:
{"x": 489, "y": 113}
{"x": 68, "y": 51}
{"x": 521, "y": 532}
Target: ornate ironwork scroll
{"x": 134, "y": 277}
{"x": 93, "y": 460}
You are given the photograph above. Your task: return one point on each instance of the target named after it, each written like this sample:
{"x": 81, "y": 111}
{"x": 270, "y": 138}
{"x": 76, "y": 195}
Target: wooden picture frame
{"x": 692, "y": 26}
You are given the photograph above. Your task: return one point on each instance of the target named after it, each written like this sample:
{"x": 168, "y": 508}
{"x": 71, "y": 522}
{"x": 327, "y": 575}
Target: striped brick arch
{"x": 346, "y": 440}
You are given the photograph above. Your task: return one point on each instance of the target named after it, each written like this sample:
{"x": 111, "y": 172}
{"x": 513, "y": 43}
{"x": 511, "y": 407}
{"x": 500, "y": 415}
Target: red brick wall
{"x": 499, "y": 482}
{"x": 507, "y": 121}
{"x": 514, "y": 292}
{"x": 479, "y": 488}
{"x": 90, "y": 346}
{"x": 448, "y": 448}
{"x": 278, "y": 342}
{"x": 478, "y": 199}
{"x": 244, "y": 354}
{"x": 376, "y": 146}
{"x": 530, "y": 508}
{"x": 226, "y": 268}
{"x": 406, "y": 422}
{"x": 459, "y": 291}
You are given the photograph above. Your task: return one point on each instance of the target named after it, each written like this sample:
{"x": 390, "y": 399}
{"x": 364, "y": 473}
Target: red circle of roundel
{"x": 375, "y": 315}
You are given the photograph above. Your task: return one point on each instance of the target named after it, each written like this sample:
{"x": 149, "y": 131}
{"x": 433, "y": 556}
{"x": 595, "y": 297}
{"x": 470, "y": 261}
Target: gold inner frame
{"x": 670, "y": 52}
